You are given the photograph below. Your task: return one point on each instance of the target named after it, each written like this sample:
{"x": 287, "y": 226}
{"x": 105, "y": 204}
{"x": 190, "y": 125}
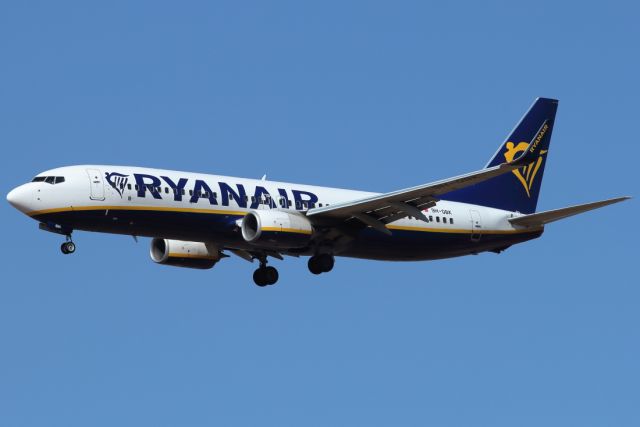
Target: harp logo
{"x": 527, "y": 174}
{"x": 117, "y": 180}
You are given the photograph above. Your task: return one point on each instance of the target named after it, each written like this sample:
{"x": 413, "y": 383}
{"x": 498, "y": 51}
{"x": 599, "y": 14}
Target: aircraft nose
{"x": 19, "y": 198}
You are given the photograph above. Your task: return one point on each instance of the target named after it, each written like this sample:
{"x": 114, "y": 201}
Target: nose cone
{"x": 19, "y": 198}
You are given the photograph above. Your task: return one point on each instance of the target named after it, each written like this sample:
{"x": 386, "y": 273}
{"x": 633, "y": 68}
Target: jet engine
{"x": 277, "y": 229}
{"x": 184, "y": 254}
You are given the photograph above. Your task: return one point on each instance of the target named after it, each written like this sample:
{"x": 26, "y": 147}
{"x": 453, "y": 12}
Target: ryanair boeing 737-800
{"x": 196, "y": 219}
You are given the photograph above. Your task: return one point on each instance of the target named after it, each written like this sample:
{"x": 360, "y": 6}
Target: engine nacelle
{"x": 277, "y": 229}
{"x": 183, "y": 254}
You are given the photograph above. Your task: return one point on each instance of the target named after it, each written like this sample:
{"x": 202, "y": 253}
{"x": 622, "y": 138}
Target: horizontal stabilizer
{"x": 546, "y": 217}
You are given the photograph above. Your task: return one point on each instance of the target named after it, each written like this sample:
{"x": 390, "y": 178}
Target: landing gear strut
{"x": 322, "y": 263}
{"x": 265, "y": 275}
{"x": 68, "y": 247}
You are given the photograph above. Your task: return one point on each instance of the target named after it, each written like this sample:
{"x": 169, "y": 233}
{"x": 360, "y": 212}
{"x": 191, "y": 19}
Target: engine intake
{"x": 277, "y": 229}
{"x": 179, "y": 253}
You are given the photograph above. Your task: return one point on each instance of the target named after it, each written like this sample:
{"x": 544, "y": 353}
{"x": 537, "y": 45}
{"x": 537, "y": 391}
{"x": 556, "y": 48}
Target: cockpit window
{"x": 49, "y": 179}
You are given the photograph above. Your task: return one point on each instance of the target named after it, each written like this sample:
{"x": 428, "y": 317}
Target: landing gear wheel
{"x": 271, "y": 274}
{"x": 264, "y": 276}
{"x": 259, "y": 278}
{"x": 326, "y": 262}
{"x": 322, "y": 263}
{"x": 314, "y": 265}
{"x": 68, "y": 247}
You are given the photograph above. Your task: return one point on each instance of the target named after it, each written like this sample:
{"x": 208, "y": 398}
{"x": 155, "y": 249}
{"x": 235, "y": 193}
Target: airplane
{"x": 195, "y": 220}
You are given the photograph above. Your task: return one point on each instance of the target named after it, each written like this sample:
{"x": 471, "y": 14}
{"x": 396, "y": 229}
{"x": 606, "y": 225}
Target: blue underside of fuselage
{"x": 402, "y": 245}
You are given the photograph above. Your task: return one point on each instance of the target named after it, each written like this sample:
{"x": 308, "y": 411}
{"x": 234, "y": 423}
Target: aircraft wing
{"x": 385, "y": 208}
{"x": 546, "y": 217}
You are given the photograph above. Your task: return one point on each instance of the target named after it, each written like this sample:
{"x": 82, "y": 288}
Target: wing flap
{"x": 546, "y": 217}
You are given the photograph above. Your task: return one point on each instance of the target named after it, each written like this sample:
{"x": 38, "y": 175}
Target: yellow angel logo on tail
{"x": 526, "y": 174}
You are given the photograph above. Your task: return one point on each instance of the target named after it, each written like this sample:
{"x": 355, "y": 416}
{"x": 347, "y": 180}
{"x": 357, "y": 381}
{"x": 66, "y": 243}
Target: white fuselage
{"x": 209, "y": 208}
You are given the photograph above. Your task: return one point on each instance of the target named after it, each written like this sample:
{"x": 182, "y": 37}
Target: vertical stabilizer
{"x": 518, "y": 190}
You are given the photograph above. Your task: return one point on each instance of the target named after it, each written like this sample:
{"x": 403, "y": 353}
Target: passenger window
{"x": 437, "y": 219}
{"x": 253, "y": 199}
{"x": 191, "y": 192}
{"x": 166, "y": 190}
{"x": 320, "y": 204}
{"x": 183, "y": 192}
{"x": 128, "y": 186}
{"x": 430, "y": 218}
{"x": 450, "y": 220}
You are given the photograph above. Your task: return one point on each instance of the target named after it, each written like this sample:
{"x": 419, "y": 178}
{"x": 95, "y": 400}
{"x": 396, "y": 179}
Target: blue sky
{"x": 370, "y": 95}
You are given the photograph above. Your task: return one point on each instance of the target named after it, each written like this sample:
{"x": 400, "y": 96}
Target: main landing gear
{"x": 68, "y": 247}
{"x": 265, "y": 275}
{"x": 322, "y": 263}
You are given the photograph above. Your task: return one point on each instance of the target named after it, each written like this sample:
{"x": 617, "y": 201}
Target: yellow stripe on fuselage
{"x": 136, "y": 208}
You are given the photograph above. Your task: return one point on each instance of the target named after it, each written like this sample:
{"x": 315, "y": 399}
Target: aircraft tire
{"x": 271, "y": 275}
{"x": 322, "y": 263}
{"x": 314, "y": 265}
{"x": 70, "y": 246}
{"x": 326, "y": 262}
{"x": 259, "y": 277}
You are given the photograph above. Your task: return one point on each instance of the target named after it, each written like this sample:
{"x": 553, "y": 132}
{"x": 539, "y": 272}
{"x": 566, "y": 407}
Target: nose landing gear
{"x": 68, "y": 247}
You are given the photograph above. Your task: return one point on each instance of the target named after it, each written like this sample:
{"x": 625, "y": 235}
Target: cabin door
{"x": 96, "y": 184}
{"x": 476, "y": 225}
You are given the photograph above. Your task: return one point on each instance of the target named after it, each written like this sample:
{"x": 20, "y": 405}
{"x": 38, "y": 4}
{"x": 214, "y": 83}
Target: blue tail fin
{"x": 518, "y": 190}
